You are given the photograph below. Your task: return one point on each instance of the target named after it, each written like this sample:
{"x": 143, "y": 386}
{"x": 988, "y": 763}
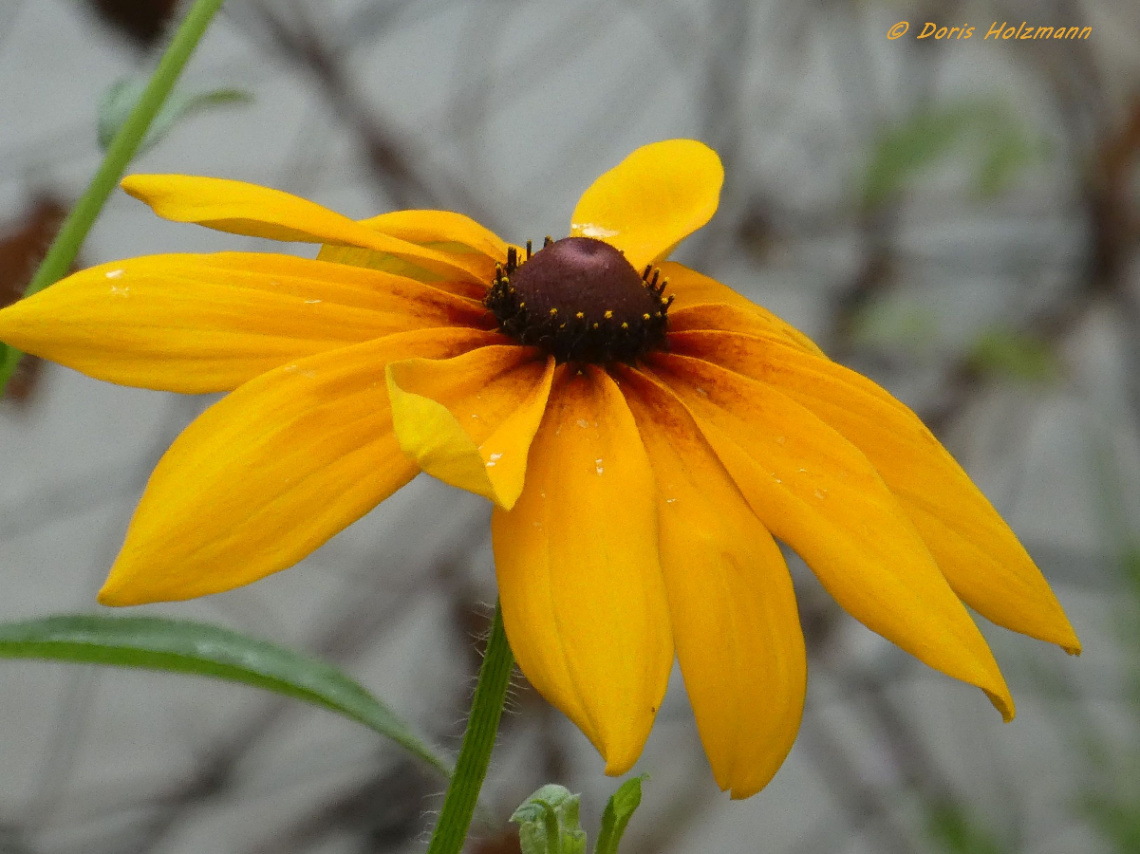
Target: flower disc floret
{"x": 580, "y": 300}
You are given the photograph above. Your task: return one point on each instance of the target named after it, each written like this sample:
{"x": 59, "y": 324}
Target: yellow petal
{"x": 583, "y": 600}
{"x": 270, "y": 472}
{"x": 652, "y": 200}
{"x": 443, "y": 231}
{"x": 704, "y": 303}
{"x": 241, "y": 208}
{"x": 201, "y": 323}
{"x": 470, "y": 420}
{"x": 980, "y": 556}
{"x": 731, "y": 602}
{"x": 814, "y": 490}
{"x": 354, "y": 257}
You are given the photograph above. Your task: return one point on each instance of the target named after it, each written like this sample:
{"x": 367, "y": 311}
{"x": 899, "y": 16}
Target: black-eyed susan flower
{"x": 644, "y": 433}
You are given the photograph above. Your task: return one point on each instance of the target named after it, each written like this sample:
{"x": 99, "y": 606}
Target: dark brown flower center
{"x": 580, "y": 300}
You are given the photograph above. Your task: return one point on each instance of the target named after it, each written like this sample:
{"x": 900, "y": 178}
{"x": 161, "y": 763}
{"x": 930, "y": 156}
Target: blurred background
{"x": 959, "y": 219}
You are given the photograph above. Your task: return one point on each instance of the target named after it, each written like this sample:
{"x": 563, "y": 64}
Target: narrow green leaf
{"x": 120, "y": 99}
{"x": 618, "y": 812}
{"x": 548, "y": 822}
{"x": 179, "y": 646}
{"x": 61, "y": 255}
{"x": 8, "y": 360}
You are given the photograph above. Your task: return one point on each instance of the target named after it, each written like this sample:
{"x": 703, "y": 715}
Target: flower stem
{"x": 74, "y": 230}
{"x": 479, "y": 739}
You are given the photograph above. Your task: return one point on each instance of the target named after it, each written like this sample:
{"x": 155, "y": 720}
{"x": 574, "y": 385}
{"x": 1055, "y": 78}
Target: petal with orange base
{"x": 577, "y": 561}
{"x": 721, "y": 308}
{"x": 980, "y": 556}
{"x": 815, "y": 491}
{"x": 733, "y": 610}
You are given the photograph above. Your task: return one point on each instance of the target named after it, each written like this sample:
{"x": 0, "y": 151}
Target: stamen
{"x": 617, "y": 314}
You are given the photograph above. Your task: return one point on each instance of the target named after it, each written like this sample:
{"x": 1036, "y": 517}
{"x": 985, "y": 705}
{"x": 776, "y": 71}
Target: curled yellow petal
{"x": 733, "y": 610}
{"x": 469, "y": 421}
{"x": 583, "y": 600}
{"x": 241, "y": 208}
{"x": 652, "y": 200}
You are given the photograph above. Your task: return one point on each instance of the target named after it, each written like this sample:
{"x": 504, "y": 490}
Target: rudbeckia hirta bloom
{"x": 644, "y": 433}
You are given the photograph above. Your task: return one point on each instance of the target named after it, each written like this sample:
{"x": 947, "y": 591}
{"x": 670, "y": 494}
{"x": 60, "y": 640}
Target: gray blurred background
{"x": 956, "y": 218}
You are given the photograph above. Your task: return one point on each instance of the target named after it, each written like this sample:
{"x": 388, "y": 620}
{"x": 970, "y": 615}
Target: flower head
{"x": 643, "y": 432}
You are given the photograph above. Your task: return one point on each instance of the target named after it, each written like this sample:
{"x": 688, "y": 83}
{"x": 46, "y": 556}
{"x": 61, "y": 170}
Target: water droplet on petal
{"x": 590, "y": 229}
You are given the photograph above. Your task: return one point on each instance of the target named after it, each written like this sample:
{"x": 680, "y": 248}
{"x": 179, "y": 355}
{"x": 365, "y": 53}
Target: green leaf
{"x": 988, "y": 131}
{"x": 1116, "y": 819}
{"x": 179, "y": 646}
{"x": 618, "y": 812}
{"x": 895, "y": 323}
{"x": 548, "y": 822}
{"x": 1013, "y": 354}
{"x": 120, "y": 99}
{"x": 958, "y": 833}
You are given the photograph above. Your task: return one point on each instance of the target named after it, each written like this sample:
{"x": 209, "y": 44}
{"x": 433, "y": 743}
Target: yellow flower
{"x": 640, "y": 455}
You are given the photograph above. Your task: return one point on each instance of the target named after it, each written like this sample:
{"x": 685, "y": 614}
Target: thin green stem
{"x": 479, "y": 739}
{"x": 74, "y": 231}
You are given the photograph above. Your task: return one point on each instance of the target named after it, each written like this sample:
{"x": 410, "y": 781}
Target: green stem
{"x": 479, "y": 739}
{"x": 74, "y": 230}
